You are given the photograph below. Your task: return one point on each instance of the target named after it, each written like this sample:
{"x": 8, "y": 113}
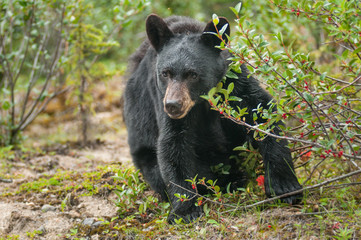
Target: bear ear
{"x": 210, "y": 35}
{"x": 157, "y": 31}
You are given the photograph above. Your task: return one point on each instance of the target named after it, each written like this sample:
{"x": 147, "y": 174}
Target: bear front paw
{"x": 277, "y": 188}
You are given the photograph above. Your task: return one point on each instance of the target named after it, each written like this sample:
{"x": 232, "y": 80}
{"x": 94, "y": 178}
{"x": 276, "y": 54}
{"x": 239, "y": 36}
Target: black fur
{"x": 170, "y": 150}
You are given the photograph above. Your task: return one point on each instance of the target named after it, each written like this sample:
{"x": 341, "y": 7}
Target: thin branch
{"x": 41, "y": 109}
{"x": 32, "y": 78}
{"x": 316, "y": 213}
{"x": 313, "y": 170}
{"x": 304, "y": 189}
{"x": 344, "y": 185}
{"x": 26, "y": 51}
{"x": 342, "y": 88}
{"x": 49, "y": 75}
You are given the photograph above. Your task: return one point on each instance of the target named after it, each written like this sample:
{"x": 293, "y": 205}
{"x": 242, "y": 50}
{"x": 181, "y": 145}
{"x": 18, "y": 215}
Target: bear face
{"x": 187, "y": 66}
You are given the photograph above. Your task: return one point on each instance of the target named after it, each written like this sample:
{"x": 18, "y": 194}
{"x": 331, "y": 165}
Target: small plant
{"x": 34, "y": 234}
{"x": 131, "y": 196}
{"x": 344, "y": 233}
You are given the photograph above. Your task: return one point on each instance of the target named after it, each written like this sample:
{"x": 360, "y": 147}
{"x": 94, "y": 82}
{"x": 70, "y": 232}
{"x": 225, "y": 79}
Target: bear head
{"x": 188, "y": 64}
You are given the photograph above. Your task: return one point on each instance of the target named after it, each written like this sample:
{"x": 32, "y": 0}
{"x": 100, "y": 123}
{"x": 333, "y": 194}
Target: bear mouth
{"x": 179, "y": 114}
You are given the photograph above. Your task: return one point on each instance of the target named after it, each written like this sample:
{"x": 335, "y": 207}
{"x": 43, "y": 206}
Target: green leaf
{"x": 263, "y": 44}
{"x": 279, "y": 37}
{"x": 237, "y": 9}
{"x": 23, "y": 3}
{"x": 234, "y": 98}
{"x": 357, "y": 50}
{"x": 223, "y": 29}
{"x": 212, "y": 221}
{"x": 240, "y": 148}
{"x": 6, "y": 105}
{"x": 323, "y": 76}
{"x": 308, "y": 97}
{"x": 212, "y": 92}
{"x": 230, "y": 88}
{"x": 231, "y": 74}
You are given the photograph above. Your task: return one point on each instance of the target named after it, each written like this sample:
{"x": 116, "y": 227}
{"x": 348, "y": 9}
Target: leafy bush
{"x": 318, "y": 91}
{"x": 47, "y": 48}
{"x": 31, "y": 45}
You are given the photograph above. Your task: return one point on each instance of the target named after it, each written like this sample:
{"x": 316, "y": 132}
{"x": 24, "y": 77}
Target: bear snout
{"x": 177, "y": 100}
{"x": 173, "y": 107}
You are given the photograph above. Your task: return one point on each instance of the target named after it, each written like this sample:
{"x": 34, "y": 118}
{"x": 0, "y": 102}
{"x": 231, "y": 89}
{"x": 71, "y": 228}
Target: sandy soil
{"x": 24, "y": 214}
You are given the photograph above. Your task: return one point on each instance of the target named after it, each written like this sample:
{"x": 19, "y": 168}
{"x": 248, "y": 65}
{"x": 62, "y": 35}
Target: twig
{"x": 40, "y": 109}
{"x": 344, "y": 185}
{"x": 32, "y": 78}
{"x": 313, "y": 170}
{"x": 316, "y": 213}
{"x": 353, "y": 83}
{"x": 302, "y": 190}
{"x": 6, "y": 180}
{"x": 199, "y": 195}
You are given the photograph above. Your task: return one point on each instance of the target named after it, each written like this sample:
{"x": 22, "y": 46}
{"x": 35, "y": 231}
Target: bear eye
{"x": 165, "y": 74}
{"x": 193, "y": 75}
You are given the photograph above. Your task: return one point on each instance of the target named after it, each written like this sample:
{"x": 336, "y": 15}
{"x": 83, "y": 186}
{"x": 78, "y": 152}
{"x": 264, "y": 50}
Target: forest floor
{"x": 53, "y": 188}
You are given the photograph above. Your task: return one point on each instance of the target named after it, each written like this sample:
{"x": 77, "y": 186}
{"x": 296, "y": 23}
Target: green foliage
{"x": 315, "y": 83}
{"x": 131, "y": 200}
{"x": 63, "y": 182}
{"x": 31, "y": 43}
{"x": 48, "y": 48}
{"x": 250, "y": 159}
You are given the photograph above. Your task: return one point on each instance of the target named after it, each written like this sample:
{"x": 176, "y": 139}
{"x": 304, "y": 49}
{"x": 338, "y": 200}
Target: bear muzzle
{"x": 177, "y": 100}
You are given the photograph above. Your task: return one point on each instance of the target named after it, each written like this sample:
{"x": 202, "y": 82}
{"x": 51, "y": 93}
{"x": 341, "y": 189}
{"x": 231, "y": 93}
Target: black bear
{"x": 173, "y": 134}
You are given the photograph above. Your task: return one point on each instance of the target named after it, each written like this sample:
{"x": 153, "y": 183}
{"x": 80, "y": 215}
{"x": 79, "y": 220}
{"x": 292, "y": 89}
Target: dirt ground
{"x": 21, "y": 215}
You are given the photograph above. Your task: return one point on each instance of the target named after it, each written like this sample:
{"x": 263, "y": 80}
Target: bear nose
{"x": 173, "y": 106}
